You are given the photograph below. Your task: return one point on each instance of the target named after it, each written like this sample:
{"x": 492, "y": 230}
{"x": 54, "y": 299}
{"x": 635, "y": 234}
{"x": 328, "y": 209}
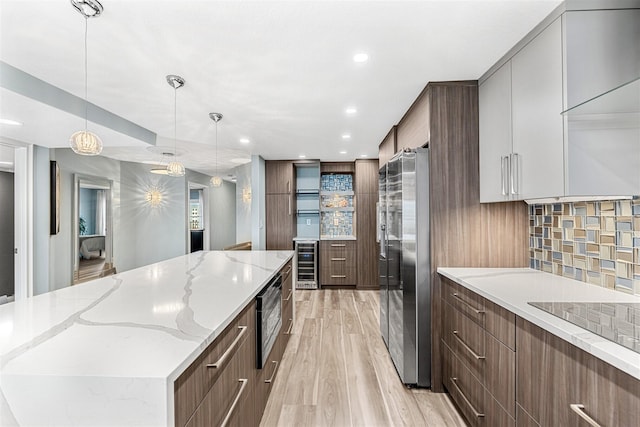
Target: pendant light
{"x": 161, "y": 169}
{"x": 84, "y": 142}
{"x": 175, "y": 168}
{"x": 216, "y": 181}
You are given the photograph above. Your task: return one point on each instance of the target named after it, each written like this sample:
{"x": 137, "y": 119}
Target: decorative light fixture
{"x": 246, "y": 195}
{"x": 161, "y": 169}
{"x": 175, "y": 168}
{"x": 153, "y": 197}
{"x": 84, "y": 142}
{"x": 216, "y": 181}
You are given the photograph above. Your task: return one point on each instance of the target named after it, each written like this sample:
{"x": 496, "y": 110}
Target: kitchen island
{"x": 107, "y": 352}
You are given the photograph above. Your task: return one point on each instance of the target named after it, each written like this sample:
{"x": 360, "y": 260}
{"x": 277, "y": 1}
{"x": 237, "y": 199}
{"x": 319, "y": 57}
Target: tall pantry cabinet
{"x": 279, "y": 204}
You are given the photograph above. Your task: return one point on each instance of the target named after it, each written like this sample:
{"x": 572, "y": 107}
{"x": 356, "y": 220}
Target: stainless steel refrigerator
{"x": 404, "y": 265}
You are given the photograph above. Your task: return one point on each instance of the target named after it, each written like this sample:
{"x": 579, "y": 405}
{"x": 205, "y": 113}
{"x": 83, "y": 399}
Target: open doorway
{"x": 198, "y": 218}
{"x": 93, "y": 241}
{"x": 7, "y": 225}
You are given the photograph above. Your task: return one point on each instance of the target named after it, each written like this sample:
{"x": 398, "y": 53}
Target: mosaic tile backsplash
{"x": 595, "y": 242}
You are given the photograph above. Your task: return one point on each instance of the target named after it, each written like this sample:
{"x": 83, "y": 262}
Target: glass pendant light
{"x": 216, "y": 181}
{"x": 84, "y": 142}
{"x": 175, "y": 168}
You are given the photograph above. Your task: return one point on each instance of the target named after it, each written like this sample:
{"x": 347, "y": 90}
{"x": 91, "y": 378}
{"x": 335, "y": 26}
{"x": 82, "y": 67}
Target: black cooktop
{"x": 615, "y": 321}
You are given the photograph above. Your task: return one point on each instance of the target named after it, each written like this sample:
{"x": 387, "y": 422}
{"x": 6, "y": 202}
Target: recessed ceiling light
{"x": 10, "y": 122}
{"x": 343, "y": 152}
{"x": 6, "y": 163}
{"x": 351, "y": 110}
{"x": 244, "y": 140}
{"x": 363, "y": 155}
{"x": 360, "y": 57}
{"x": 302, "y": 156}
{"x": 346, "y": 136}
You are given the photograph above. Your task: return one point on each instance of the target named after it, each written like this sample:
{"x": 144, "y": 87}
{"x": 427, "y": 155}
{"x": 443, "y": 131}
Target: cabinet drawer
{"x": 287, "y": 283}
{"x": 498, "y": 321}
{"x": 196, "y": 381}
{"x": 490, "y": 361}
{"x": 266, "y": 376}
{"x": 338, "y": 262}
{"x": 476, "y": 404}
{"x": 223, "y": 402}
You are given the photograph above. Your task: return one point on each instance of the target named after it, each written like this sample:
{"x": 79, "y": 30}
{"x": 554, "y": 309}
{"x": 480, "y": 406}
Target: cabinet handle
{"x": 515, "y": 173}
{"x": 579, "y": 409}
{"x": 225, "y": 355}
{"x": 338, "y": 276}
{"x": 454, "y": 380}
{"x": 288, "y": 187}
{"x": 469, "y": 349}
{"x": 288, "y": 271}
{"x": 289, "y": 201}
{"x": 338, "y": 259}
{"x": 338, "y": 245}
{"x": 244, "y": 382}
{"x": 455, "y": 295}
{"x": 275, "y": 362}
{"x": 503, "y": 175}
{"x": 290, "y": 327}
{"x": 289, "y": 297}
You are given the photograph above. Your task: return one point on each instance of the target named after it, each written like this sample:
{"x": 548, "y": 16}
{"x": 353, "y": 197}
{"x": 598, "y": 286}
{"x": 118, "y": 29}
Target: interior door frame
{"x": 206, "y": 236}
{"x": 23, "y": 220}
{"x": 98, "y": 183}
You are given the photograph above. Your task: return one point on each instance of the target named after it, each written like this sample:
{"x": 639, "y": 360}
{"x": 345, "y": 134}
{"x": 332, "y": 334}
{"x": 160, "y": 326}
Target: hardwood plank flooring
{"x": 336, "y": 370}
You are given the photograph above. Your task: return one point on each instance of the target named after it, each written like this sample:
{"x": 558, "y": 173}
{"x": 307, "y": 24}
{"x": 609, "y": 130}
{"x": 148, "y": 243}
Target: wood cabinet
{"x": 338, "y": 263}
{"x": 337, "y": 167}
{"x": 223, "y": 385}
{"x": 280, "y": 223}
{"x": 220, "y": 382}
{"x": 279, "y": 177}
{"x": 387, "y": 147}
{"x": 566, "y": 375}
{"x": 367, "y": 249}
{"x": 414, "y": 129}
{"x": 479, "y": 356}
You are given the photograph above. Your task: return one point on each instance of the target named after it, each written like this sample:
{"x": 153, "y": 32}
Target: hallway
{"x": 336, "y": 370}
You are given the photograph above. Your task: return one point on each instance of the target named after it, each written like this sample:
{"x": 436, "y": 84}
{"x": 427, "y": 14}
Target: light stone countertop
{"x": 513, "y": 288}
{"x": 107, "y": 352}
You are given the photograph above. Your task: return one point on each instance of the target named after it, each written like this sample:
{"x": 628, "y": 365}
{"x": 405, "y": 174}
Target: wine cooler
{"x": 307, "y": 264}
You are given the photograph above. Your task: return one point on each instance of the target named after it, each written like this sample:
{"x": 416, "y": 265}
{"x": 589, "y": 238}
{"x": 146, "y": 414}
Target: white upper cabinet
{"x": 529, "y": 149}
{"x": 495, "y": 135}
{"x": 537, "y": 165}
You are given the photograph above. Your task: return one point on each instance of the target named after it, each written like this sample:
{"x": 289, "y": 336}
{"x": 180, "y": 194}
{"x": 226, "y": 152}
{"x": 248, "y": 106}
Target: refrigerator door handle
{"x": 383, "y": 241}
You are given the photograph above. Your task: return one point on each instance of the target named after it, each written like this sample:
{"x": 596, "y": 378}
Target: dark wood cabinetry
{"x": 279, "y": 205}
{"x": 387, "y": 147}
{"x": 338, "y": 263}
{"x": 337, "y": 167}
{"x": 478, "y": 356}
{"x": 554, "y": 374}
{"x": 366, "y": 190}
{"x": 223, "y": 385}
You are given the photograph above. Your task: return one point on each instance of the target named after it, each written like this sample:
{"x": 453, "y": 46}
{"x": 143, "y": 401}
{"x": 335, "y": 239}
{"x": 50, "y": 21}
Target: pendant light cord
{"x": 175, "y": 119}
{"x": 216, "y": 148}
{"x": 86, "y": 72}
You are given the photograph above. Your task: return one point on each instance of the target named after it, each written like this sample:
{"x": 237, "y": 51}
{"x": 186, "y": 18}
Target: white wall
{"x": 258, "y": 202}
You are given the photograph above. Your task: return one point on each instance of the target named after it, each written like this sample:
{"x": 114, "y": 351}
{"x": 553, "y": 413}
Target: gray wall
{"x": 6, "y": 234}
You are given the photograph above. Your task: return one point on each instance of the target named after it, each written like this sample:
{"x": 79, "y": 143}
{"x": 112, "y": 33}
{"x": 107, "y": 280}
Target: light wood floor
{"x": 336, "y": 370}
{"x": 93, "y": 268}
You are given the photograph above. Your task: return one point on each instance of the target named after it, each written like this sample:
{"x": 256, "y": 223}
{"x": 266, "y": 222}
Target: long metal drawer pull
{"x": 219, "y": 362}
{"x": 275, "y": 362}
{"x": 579, "y": 409}
{"x": 338, "y": 276}
{"x": 475, "y": 412}
{"x": 469, "y": 349}
{"x": 338, "y": 245}
{"x": 455, "y": 295}
{"x": 290, "y": 327}
{"x": 288, "y": 271}
{"x": 290, "y": 293}
{"x": 338, "y": 259}
{"x": 502, "y": 175}
{"x": 244, "y": 382}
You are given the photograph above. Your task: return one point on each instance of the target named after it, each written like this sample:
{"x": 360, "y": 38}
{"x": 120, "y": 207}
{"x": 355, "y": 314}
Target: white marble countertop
{"x": 107, "y": 352}
{"x": 513, "y": 288}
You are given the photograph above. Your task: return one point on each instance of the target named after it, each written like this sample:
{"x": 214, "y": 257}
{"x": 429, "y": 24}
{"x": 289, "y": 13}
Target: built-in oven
{"x": 268, "y": 319}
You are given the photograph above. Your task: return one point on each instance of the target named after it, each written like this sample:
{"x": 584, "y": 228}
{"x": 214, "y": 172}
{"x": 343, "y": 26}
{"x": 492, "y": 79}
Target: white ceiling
{"x": 281, "y": 73}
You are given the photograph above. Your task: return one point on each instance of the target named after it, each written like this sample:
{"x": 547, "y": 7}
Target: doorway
{"x": 198, "y": 218}
{"x": 7, "y": 225}
{"x": 93, "y": 236}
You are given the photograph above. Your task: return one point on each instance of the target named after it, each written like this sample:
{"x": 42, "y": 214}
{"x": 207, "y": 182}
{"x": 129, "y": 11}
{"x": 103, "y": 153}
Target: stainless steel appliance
{"x": 268, "y": 319}
{"x": 307, "y": 264}
{"x": 404, "y": 265}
